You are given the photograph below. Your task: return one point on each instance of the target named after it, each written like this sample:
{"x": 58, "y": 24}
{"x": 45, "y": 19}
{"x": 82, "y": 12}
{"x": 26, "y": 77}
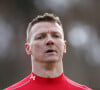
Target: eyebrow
{"x": 44, "y": 33}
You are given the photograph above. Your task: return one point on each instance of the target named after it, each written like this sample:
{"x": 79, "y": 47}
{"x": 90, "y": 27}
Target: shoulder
{"x": 74, "y": 85}
{"x": 19, "y": 84}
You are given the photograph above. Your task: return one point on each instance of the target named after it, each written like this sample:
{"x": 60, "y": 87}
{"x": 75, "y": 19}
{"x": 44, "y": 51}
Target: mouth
{"x": 51, "y": 51}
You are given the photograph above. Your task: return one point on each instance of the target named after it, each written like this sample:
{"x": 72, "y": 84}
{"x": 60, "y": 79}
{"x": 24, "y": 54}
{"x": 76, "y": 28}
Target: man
{"x": 46, "y": 46}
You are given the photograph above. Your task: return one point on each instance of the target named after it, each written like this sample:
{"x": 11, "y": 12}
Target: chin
{"x": 51, "y": 59}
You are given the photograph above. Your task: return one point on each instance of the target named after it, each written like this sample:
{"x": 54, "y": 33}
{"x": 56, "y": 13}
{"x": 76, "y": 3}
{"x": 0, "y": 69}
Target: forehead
{"x": 45, "y": 27}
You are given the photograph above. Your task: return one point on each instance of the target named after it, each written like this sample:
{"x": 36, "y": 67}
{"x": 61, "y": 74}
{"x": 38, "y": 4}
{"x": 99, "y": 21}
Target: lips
{"x": 50, "y": 51}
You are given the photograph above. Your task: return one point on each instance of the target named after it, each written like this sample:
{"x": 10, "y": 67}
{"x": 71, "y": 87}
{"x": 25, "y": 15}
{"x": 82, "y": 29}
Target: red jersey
{"x": 34, "y": 82}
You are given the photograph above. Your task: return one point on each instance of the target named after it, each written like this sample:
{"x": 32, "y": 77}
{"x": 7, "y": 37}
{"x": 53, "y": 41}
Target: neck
{"x": 48, "y": 70}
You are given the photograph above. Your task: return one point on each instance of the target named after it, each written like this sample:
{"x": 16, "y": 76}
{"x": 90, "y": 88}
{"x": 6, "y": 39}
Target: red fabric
{"x": 34, "y": 82}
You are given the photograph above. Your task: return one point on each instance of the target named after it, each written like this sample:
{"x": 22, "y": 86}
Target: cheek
{"x": 60, "y": 46}
{"x": 36, "y": 47}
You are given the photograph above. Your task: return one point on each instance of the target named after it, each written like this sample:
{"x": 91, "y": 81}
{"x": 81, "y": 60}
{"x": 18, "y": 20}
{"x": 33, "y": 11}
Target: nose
{"x": 50, "y": 41}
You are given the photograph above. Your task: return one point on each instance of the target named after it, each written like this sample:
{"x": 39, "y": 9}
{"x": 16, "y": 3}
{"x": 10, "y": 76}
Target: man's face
{"x": 47, "y": 42}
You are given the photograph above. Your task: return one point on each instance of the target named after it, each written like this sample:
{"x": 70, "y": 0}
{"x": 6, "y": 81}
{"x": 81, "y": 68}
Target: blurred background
{"x": 81, "y": 23}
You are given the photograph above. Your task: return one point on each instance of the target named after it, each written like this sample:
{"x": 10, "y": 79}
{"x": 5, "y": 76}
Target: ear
{"x": 28, "y": 50}
{"x": 64, "y": 47}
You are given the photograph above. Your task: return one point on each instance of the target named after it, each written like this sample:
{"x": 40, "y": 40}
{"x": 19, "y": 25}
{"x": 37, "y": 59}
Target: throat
{"x": 50, "y": 66}
{"x": 48, "y": 70}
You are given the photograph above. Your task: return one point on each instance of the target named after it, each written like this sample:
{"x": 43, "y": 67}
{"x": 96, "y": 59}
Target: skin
{"x": 46, "y": 48}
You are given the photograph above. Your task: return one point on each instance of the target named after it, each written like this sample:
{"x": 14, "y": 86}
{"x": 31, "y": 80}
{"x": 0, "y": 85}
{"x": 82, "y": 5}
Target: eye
{"x": 40, "y": 37}
{"x": 56, "y": 36}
